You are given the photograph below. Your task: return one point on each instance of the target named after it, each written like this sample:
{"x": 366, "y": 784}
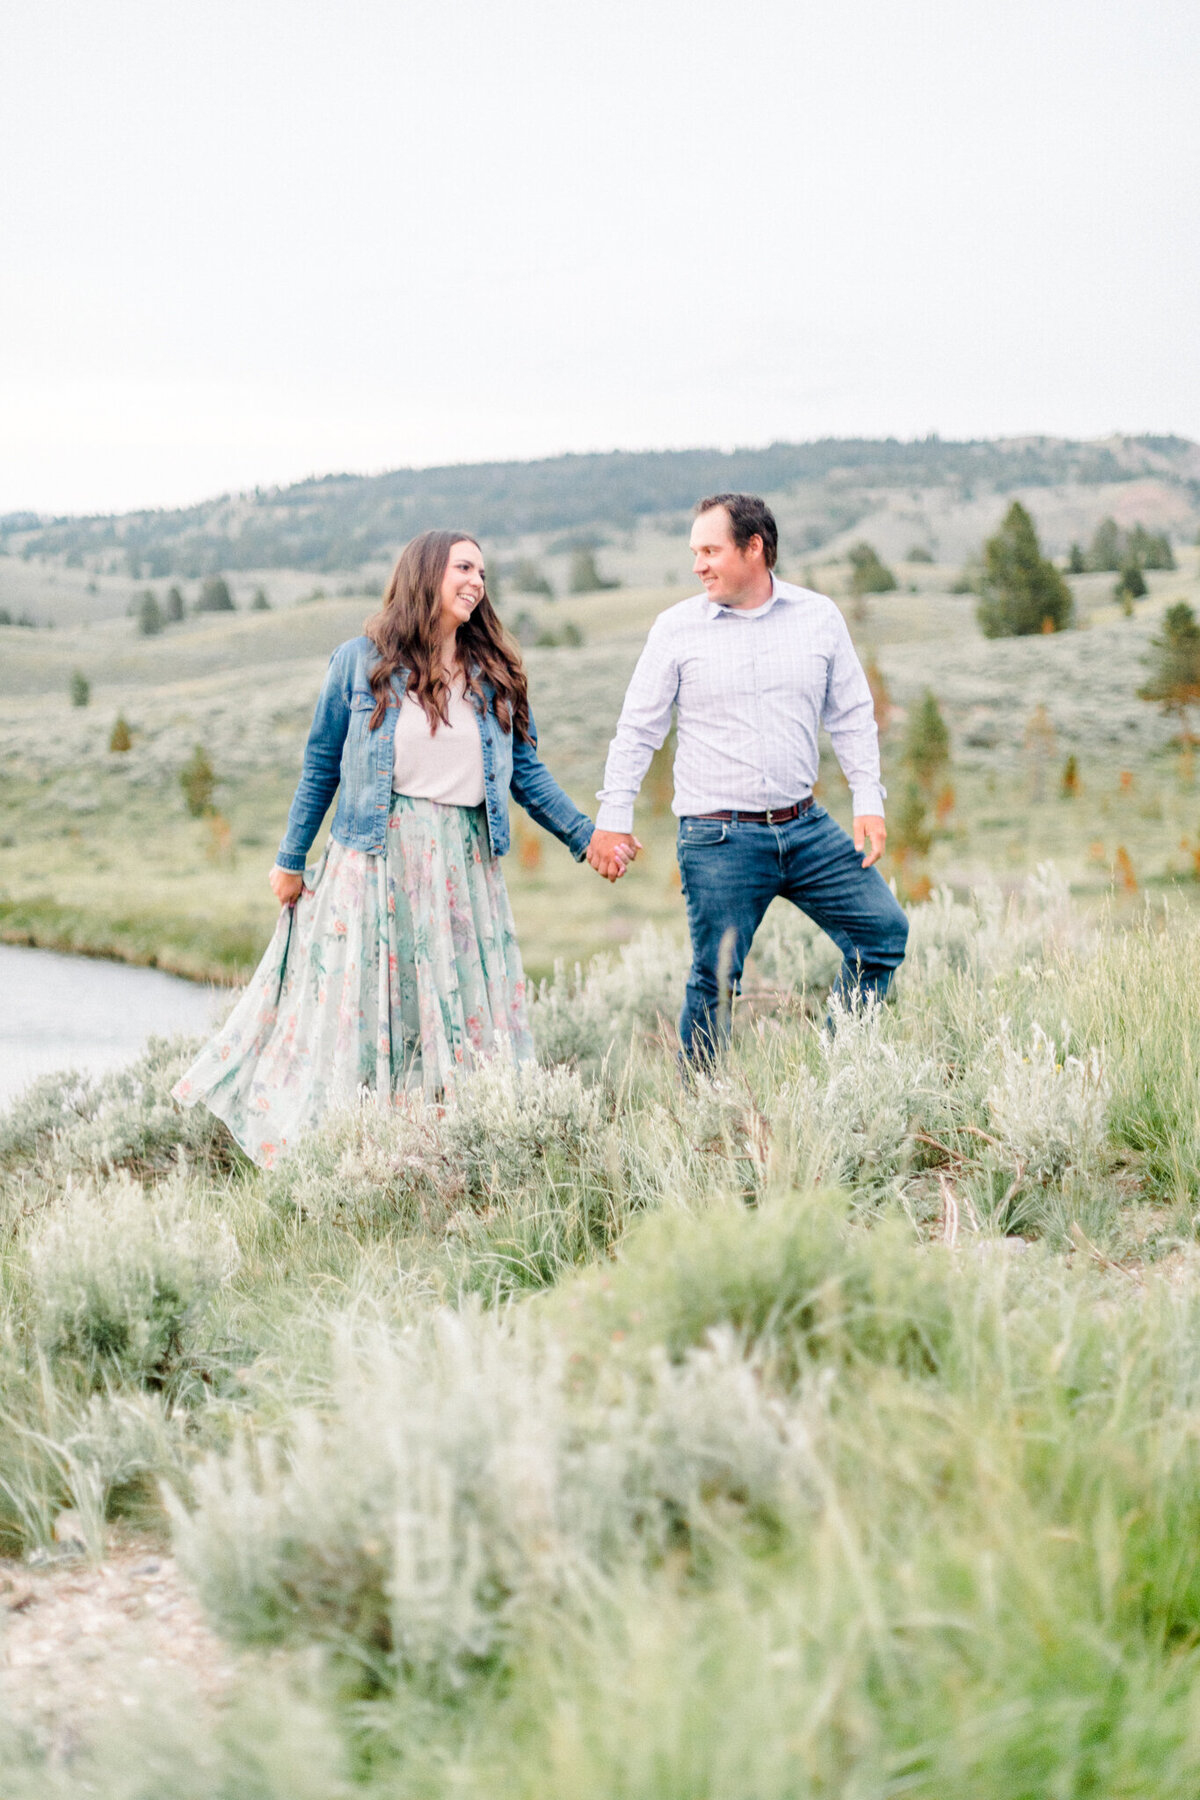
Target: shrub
{"x": 1132, "y": 585}
{"x": 855, "y": 1127}
{"x": 260, "y": 603}
{"x": 214, "y": 596}
{"x": 528, "y": 578}
{"x": 198, "y": 780}
{"x": 1174, "y": 663}
{"x": 120, "y": 738}
{"x": 585, "y": 576}
{"x": 926, "y": 741}
{"x": 125, "y": 1119}
{"x": 173, "y": 611}
{"x": 788, "y": 1277}
{"x": 446, "y": 1493}
{"x": 512, "y": 1121}
{"x": 149, "y": 615}
{"x": 868, "y": 575}
{"x": 118, "y": 1275}
{"x": 366, "y": 1167}
{"x": 579, "y": 1018}
{"x": 1021, "y": 590}
{"x": 1049, "y": 1108}
{"x": 80, "y": 689}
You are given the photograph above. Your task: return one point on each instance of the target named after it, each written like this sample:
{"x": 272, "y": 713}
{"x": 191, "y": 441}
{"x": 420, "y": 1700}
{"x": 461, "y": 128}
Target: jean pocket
{"x": 702, "y": 834}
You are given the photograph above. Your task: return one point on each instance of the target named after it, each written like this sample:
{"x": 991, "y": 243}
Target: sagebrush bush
{"x": 118, "y": 1275}
{"x": 789, "y": 1276}
{"x": 582, "y": 1017}
{"x": 853, "y": 1123}
{"x": 368, "y": 1167}
{"x": 449, "y": 1490}
{"x": 125, "y": 1119}
{"x": 514, "y": 1122}
{"x": 1048, "y": 1107}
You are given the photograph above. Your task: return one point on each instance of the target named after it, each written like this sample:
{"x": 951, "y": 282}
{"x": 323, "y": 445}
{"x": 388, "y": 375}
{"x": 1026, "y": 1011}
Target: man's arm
{"x": 849, "y": 717}
{"x": 641, "y": 729}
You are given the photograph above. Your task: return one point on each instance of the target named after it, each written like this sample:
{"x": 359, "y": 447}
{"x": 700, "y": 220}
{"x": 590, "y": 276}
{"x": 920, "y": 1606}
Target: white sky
{"x": 248, "y": 240}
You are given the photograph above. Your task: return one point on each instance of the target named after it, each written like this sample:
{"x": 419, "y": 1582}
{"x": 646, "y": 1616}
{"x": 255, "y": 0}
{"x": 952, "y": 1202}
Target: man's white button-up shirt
{"x": 751, "y": 690}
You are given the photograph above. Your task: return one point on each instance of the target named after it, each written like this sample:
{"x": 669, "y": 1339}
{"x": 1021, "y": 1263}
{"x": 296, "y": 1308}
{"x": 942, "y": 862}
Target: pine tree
{"x": 528, "y": 578}
{"x": 585, "y": 575}
{"x": 81, "y": 689}
{"x": 149, "y": 615}
{"x": 1149, "y": 549}
{"x": 910, "y": 830}
{"x": 869, "y": 575}
{"x": 1105, "y": 552}
{"x": 215, "y": 596}
{"x": 260, "y": 603}
{"x": 1022, "y": 592}
{"x": 1174, "y": 663}
{"x": 174, "y": 606}
{"x": 198, "y": 780}
{"x": 121, "y": 738}
{"x": 1131, "y": 587}
{"x": 926, "y": 742}
{"x": 1075, "y": 561}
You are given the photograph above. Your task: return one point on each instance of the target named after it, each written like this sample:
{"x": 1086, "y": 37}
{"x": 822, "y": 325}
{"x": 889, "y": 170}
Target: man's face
{"x": 728, "y": 573}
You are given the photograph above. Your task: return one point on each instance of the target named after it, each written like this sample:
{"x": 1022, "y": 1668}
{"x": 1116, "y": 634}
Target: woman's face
{"x": 462, "y": 584}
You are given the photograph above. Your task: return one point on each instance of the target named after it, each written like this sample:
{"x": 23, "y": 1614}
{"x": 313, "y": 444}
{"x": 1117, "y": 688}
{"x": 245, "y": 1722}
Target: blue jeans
{"x": 733, "y": 870}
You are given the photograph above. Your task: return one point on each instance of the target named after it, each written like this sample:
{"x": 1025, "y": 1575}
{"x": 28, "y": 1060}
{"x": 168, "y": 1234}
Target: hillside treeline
{"x": 343, "y": 521}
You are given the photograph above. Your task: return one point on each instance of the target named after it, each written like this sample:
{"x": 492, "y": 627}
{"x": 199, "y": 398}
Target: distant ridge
{"x": 343, "y": 521}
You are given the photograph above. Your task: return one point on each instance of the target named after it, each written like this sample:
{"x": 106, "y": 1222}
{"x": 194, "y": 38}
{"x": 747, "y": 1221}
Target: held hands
{"x": 611, "y": 852}
{"x": 287, "y": 885}
{"x": 870, "y": 830}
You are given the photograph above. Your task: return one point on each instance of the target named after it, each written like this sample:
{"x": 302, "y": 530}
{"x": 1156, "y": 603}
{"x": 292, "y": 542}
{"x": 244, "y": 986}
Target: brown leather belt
{"x": 776, "y": 815}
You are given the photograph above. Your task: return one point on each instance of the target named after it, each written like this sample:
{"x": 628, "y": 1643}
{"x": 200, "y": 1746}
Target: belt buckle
{"x": 772, "y": 810}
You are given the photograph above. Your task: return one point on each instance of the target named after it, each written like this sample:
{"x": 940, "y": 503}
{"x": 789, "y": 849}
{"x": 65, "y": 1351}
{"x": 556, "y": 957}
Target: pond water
{"x": 77, "y": 1012}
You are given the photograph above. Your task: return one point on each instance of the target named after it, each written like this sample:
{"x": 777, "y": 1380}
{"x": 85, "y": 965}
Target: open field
{"x": 825, "y": 1428}
{"x": 97, "y": 850}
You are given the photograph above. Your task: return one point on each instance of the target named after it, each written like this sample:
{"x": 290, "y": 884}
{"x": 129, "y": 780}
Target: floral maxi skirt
{"x": 391, "y": 973}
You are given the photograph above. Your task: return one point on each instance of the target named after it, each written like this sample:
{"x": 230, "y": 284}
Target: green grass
{"x": 591, "y": 1439}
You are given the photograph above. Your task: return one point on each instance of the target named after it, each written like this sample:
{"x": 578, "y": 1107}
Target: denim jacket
{"x": 345, "y": 757}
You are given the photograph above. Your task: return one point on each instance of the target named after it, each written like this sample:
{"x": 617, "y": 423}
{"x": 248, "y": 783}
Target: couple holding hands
{"x": 394, "y": 965}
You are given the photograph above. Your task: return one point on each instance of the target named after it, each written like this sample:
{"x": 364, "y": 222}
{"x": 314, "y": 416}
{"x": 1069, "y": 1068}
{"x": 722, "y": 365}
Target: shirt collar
{"x": 778, "y": 592}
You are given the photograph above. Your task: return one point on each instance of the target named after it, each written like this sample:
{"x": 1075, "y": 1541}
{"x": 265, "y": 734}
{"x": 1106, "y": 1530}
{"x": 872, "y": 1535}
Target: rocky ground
{"x": 81, "y": 1641}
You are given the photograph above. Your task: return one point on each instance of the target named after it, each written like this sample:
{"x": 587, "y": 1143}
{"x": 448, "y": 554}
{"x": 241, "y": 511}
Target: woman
{"x": 397, "y": 965}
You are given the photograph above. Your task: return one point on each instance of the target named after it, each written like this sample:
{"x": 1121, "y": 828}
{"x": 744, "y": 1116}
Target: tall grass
{"x": 821, "y": 1425}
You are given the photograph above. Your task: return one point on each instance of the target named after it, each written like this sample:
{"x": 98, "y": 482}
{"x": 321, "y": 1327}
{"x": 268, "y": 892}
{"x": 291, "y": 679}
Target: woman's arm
{"x": 534, "y": 788}
{"x": 322, "y": 768}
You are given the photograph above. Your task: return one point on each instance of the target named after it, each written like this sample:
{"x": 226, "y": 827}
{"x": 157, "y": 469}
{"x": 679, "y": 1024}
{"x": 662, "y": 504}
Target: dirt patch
{"x": 80, "y": 1642}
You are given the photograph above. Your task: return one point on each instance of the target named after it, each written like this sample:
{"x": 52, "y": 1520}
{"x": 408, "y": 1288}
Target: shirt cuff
{"x": 867, "y": 802}
{"x": 287, "y": 859}
{"x": 615, "y": 815}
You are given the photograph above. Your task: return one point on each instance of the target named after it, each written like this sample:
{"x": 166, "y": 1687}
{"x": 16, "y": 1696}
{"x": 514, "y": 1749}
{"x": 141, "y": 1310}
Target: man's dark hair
{"x": 748, "y": 517}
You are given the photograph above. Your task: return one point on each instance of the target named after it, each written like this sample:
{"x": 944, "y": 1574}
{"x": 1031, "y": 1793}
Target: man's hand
{"x": 870, "y": 829}
{"x": 287, "y": 885}
{"x": 611, "y": 852}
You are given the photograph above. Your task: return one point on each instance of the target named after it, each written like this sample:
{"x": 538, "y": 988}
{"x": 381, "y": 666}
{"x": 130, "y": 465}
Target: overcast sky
{"x": 248, "y": 240}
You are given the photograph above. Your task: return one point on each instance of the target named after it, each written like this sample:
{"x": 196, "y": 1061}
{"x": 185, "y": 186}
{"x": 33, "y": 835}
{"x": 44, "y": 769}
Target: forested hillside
{"x": 344, "y": 521}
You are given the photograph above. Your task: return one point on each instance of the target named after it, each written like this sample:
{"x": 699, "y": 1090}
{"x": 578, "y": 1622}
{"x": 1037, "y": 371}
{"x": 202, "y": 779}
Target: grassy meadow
{"x": 823, "y": 1427}
{"x": 97, "y": 851}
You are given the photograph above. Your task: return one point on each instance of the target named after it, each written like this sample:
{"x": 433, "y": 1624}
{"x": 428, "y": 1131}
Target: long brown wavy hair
{"x": 407, "y": 634}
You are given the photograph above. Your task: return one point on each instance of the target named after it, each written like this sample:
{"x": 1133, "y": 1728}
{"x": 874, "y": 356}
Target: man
{"x": 754, "y": 666}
